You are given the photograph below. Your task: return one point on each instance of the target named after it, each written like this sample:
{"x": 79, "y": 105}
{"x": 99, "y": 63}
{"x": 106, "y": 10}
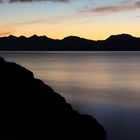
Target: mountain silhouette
{"x": 32, "y": 110}
{"x": 121, "y": 42}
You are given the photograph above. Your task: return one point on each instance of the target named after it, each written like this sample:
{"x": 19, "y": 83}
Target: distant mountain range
{"x": 121, "y": 42}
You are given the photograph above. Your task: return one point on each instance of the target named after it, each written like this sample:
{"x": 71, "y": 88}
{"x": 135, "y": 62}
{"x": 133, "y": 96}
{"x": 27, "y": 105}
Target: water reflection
{"x": 104, "y": 84}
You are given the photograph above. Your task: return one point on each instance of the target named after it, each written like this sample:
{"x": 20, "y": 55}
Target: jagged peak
{"x": 34, "y": 36}
{"x": 12, "y": 36}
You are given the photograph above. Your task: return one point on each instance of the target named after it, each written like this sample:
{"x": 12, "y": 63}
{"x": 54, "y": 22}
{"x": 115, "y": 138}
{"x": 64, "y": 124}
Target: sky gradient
{"x": 92, "y": 19}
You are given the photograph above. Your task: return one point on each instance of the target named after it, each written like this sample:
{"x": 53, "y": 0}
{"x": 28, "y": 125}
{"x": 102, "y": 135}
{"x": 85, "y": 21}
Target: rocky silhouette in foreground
{"x": 31, "y": 110}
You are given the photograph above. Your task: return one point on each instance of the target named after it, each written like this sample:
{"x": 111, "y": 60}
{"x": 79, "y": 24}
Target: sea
{"x": 105, "y": 85}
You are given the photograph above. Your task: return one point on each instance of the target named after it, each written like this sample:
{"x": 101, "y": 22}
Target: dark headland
{"x": 31, "y": 110}
{"x": 121, "y": 42}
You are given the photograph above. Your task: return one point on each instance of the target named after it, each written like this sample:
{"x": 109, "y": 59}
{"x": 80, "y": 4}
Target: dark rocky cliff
{"x": 31, "y": 110}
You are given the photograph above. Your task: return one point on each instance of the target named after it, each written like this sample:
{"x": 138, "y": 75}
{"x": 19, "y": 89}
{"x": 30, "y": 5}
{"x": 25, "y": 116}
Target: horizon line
{"x": 68, "y": 36}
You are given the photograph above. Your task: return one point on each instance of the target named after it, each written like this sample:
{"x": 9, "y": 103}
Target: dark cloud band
{"x": 12, "y": 1}
{"x": 128, "y": 6}
{"x": 38, "y": 0}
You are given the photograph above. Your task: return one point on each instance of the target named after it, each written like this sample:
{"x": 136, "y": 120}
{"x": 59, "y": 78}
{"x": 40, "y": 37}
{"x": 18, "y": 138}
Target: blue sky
{"x": 91, "y": 19}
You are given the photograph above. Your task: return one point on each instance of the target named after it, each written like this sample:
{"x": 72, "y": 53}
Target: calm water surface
{"x": 103, "y": 84}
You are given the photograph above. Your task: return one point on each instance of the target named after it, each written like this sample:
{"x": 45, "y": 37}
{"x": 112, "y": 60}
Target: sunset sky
{"x": 92, "y": 19}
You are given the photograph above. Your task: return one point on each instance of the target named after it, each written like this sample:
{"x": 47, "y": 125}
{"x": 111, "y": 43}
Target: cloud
{"x": 137, "y": 3}
{"x": 48, "y": 21}
{"x": 23, "y": 1}
{"x": 6, "y": 30}
{"x": 39, "y": 21}
{"x": 123, "y": 7}
{"x": 11, "y": 1}
{"x": 5, "y": 33}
